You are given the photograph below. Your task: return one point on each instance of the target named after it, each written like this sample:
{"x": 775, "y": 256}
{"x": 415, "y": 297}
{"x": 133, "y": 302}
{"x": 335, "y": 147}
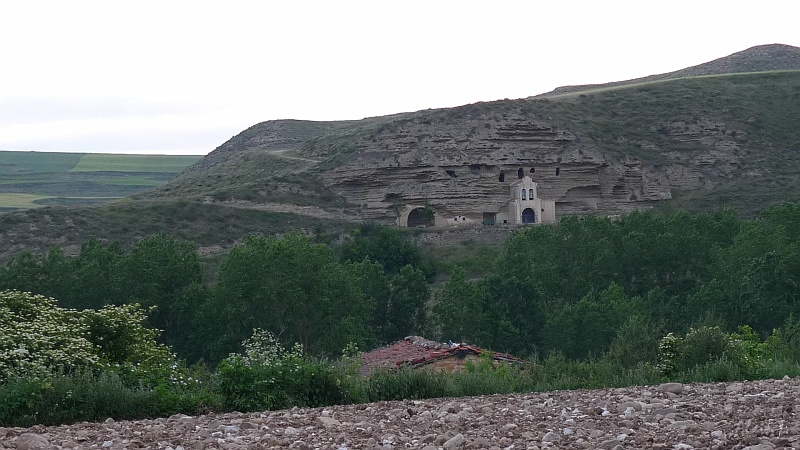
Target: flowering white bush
{"x": 38, "y": 338}
{"x": 268, "y": 376}
{"x": 263, "y": 348}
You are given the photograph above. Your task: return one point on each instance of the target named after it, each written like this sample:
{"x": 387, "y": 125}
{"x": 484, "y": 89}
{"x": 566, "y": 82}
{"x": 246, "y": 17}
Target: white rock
{"x": 454, "y": 442}
{"x": 672, "y": 388}
{"x": 550, "y": 437}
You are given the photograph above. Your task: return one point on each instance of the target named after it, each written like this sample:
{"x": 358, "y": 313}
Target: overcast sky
{"x": 181, "y": 77}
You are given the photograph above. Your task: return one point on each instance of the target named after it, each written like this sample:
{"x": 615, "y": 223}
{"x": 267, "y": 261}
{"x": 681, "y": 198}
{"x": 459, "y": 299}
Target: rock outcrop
{"x": 465, "y": 168}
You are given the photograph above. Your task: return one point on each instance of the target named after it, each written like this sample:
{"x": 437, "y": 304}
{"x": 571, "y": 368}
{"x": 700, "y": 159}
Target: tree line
{"x": 584, "y": 288}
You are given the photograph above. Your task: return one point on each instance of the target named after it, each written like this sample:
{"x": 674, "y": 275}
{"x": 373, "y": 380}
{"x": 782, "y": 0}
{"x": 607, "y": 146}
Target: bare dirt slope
{"x": 755, "y": 415}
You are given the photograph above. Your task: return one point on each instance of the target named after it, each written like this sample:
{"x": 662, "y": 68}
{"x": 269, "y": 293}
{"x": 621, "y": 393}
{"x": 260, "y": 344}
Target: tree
{"x": 389, "y": 247}
{"x": 587, "y": 328}
{"x": 458, "y": 311}
{"x": 163, "y": 272}
{"x": 290, "y": 287}
{"x": 405, "y": 309}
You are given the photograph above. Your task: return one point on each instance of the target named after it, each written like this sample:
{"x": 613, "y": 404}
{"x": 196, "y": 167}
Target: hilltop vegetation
{"x": 705, "y": 136}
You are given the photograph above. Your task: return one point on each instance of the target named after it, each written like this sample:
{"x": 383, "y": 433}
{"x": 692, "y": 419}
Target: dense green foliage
{"x": 592, "y": 302}
{"x": 571, "y": 288}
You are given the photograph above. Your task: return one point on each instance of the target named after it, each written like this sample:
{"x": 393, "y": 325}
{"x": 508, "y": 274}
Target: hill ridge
{"x": 760, "y": 58}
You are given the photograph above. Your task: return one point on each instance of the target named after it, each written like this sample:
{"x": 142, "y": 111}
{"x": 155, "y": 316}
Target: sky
{"x": 183, "y": 76}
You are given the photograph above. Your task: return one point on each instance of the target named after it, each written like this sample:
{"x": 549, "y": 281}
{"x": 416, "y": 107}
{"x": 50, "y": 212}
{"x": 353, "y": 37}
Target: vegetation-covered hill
{"x": 761, "y": 58}
{"x": 703, "y": 137}
{"x": 696, "y": 139}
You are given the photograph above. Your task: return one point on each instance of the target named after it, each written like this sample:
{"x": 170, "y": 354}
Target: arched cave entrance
{"x": 421, "y": 217}
{"x": 528, "y": 216}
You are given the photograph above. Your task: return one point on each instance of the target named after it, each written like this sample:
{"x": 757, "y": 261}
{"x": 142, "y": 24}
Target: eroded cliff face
{"x": 466, "y": 167}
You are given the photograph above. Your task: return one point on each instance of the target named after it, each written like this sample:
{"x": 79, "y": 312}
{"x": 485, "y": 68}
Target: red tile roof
{"x": 416, "y": 351}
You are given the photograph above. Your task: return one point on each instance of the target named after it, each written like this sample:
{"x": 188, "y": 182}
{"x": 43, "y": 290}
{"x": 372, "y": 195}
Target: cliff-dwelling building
{"x": 524, "y": 207}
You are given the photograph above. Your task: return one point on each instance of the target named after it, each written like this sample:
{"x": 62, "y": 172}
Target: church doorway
{"x": 528, "y": 216}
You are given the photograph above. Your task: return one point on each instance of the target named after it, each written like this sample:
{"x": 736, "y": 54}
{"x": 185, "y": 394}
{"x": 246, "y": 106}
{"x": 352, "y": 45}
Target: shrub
{"x": 268, "y": 376}
{"x": 37, "y": 337}
{"x": 407, "y": 383}
{"x": 87, "y": 396}
{"x": 710, "y": 350}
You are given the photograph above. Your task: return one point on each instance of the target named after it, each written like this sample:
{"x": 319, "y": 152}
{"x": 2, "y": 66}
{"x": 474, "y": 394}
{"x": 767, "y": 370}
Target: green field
{"x": 133, "y": 163}
{"x": 31, "y": 179}
{"x": 37, "y": 162}
{"x": 19, "y": 201}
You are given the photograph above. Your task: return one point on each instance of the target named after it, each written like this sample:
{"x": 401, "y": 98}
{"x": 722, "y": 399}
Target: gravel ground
{"x": 757, "y": 415}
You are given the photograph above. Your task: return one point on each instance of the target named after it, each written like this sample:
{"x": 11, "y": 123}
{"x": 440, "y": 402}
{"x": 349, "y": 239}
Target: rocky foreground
{"x": 755, "y": 415}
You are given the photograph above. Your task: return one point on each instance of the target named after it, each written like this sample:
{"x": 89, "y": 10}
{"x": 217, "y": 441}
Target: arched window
{"x": 520, "y": 173}
{"x": 558, "y": 171}
{"x": 533, "y": 169}
{"x": 530, "y": 194}
{"x": 523, "y": 194}
{"x": 502, "y": 177}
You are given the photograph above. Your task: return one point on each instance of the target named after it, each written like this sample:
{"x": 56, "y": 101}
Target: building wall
{"x": 509, "y": 214}
{"x": 453, "y": 363}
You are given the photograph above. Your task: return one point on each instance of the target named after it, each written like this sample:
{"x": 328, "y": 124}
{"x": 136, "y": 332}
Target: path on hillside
{"x": 310, "y": 211}
{"x": 282, "y": 154}
{"x": 758, "y": 415}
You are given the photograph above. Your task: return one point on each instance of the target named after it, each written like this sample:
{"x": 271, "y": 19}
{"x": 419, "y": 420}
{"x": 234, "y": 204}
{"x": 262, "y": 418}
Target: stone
{"x": 454, "y": 442}
{"x": 328, "y": 422}
{"x": 672, "y": 388}
{"x": 550, "y": 437}
{"x": 32, "y": 441}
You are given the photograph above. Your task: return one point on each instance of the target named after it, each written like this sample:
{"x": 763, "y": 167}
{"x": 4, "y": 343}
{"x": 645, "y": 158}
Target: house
{"x": 416, "y": 352}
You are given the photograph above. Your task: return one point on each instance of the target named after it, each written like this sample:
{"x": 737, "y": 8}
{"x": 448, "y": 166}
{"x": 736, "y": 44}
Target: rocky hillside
{"x": 723, "y": 139}
{"x": 756, "y": 415}
{"x": 696, "y": 143}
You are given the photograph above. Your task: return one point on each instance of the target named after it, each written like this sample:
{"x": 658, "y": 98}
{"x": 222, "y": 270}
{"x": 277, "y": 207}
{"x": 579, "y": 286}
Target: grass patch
{"x": 133, "y": 163}
{"x": 20, "y": 201}
{"x": 37, "y": 162}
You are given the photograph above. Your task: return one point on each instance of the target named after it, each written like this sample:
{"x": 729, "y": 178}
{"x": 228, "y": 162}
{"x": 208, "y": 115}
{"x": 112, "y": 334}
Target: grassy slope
{"x": 128, "y": 221}
{"x": 761, "y": 58}
{"x": 763, "y": 108}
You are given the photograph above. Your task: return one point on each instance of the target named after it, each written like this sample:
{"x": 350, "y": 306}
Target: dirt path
{"x": 282, "y": 154}
{"x": 311, "y": 211}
